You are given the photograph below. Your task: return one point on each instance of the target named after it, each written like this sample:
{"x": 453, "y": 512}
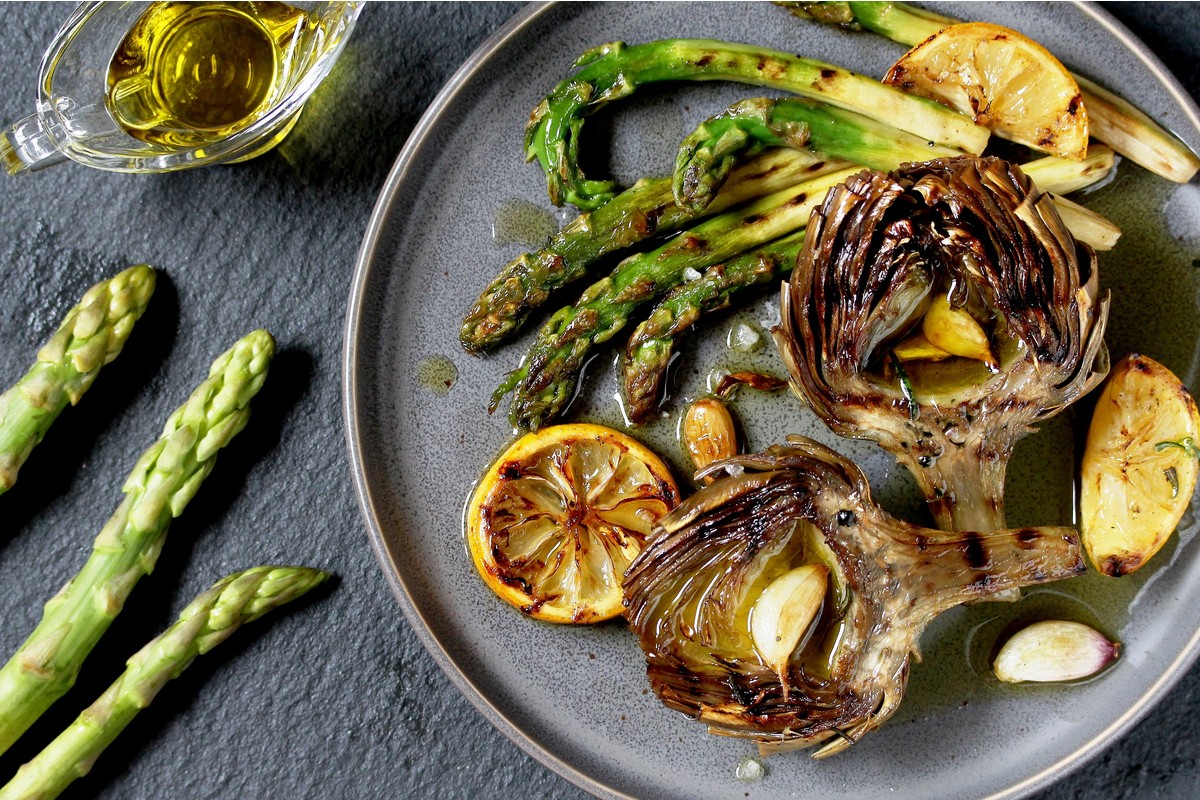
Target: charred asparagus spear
{"x": 650, "y": 347}
{"x": 206, "y": 622}
{"x": 616, "y": 70}
{"x": 635, "y": 214}
{"x": 707, "y": 155}
{"x": 545, "y": 382}
{"x": 163, "y": 481}
{"x": 90, "y": 336}
{"x": 1110, "y": 119}
{"x": 648, "y": 353}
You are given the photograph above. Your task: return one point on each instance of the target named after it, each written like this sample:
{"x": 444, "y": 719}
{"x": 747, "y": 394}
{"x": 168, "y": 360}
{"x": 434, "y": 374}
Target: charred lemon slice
{"x": 1139, "y": 465}
{"x": 556, "y": 520}
{"x": 1005, "y": 81}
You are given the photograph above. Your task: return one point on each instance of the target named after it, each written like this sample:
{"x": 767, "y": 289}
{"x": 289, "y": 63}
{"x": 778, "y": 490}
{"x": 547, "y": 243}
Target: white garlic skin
{"x": 1054, "y": 651}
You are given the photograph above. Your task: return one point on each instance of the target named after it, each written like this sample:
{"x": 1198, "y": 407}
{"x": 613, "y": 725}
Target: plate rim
{"x": 363, "y": 265}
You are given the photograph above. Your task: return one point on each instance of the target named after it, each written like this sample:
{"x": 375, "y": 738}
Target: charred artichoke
{"x": 941, "y": 310}
{"x": 781, "y": 518}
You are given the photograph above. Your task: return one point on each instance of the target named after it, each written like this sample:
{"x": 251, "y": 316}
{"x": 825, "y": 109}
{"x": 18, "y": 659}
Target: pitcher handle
{"x": 25, "y": 147}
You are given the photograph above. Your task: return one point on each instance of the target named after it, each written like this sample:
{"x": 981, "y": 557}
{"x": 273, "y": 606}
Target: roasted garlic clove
{"x": 1054, "y": 651}
{"x": 784, "y": 614}
{"x": 956, "y": 332}
{"x": 918, "y": 348}
{"x": 708, "y": 432}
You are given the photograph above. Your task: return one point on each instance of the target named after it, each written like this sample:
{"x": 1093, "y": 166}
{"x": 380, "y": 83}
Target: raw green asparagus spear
{"x": 644, "y": 363}
{"x": 1112, "y": 120}
{"x": 209, "y": 620}
{"x": 637, "y": 213}
{"x": 545, "y": 382}
{"x": 616, "y": 70}
{"x": 91, "y": 335}
{"x": 163, "y": 481}
{"x": 710, "y": 152}
{"x": 648, "y": 353}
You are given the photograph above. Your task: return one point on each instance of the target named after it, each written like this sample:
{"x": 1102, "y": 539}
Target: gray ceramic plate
{"x": 576, "y": 699}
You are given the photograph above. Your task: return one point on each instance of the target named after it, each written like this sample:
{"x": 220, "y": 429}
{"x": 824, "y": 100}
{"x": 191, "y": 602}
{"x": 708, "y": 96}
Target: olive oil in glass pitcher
{"x": 185, "y": 83}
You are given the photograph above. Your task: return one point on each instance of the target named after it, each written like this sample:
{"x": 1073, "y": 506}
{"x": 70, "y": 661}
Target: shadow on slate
{"x": 53, "y": 466}
{"x": 383, "y": 96}
{"x": 156, "y": 601}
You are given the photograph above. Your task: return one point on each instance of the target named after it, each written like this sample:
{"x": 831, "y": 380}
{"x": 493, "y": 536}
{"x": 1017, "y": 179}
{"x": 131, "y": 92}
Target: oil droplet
{"x": 750, "y": 770}
{"x": 522, "y": 222}
{"x": 437, "y": 374}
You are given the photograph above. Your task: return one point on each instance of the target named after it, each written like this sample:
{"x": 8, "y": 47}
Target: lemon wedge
{"x": 1139, "y": 465}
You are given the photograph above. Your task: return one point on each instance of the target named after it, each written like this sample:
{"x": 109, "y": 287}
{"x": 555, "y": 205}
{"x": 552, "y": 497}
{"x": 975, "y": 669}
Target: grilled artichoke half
{"x": 691, "y": 595}
{"x": 893, "y": 261}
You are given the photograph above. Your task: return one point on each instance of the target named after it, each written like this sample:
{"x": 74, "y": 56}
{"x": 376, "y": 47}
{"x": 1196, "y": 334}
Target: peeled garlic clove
{"x": 785, "y": 611}
{"x": 708, "y": 432}
{"x": 1054, "y": 651}
{"x": 918, "y": 348}
{"x": 956, "y": 332}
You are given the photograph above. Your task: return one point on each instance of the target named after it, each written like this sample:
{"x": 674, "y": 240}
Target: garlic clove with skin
{"x": 1053, "y": 651}
{"x": 708, "y": 432}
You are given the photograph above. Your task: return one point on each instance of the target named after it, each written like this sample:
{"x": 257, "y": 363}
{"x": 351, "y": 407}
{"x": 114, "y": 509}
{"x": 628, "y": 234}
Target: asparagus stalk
{"x": 1086, "y": 225}
{"x": 616, "y": 70}
{"x": 648, "y": 353}
{"x": 206, "y": 622}
{"x": 708, "y": 153}
{"x": 163, "y": 481}
{"x": 545, "y": 382}
{"x": 638, "y": 213}
{"x": 1112, "y": 120}
{"x": 90, "y": 336}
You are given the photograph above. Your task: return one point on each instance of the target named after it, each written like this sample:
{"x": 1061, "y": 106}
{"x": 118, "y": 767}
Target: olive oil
{"x": 189, "y": 74}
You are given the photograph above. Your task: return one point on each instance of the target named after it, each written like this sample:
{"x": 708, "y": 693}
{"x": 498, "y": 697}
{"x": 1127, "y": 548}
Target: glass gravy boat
{"x": 155, "y": 87}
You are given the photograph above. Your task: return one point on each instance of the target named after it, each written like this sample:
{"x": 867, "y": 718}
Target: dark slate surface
{"x": 334, "y": 698}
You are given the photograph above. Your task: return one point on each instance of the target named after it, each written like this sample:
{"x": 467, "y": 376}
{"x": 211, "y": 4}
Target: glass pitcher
{"x": 154, "y": 87}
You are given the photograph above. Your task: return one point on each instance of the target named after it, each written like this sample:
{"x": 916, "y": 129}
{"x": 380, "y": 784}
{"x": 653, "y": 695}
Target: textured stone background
{"x": 334, "y": 698}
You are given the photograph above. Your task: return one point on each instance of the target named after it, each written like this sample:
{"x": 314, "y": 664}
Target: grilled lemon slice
{"x": 1139, "y": 465}
{"x": 1004, "y": 80}
{"x": 555, "y": 521}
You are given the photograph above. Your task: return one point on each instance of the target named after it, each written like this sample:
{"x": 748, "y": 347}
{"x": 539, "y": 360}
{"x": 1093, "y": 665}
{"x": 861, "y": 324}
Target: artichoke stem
{"x": 964, "y": 486}
{"x": 959, "y": 567}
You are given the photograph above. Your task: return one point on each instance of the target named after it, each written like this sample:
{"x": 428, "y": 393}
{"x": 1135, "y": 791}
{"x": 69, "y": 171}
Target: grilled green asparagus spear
{"x": 206, "y": 622}
{"x": 163, "y": 481}
{"x": 91, "y": 335}
{"x": 544, "y": 383}
{"x": 616, "y": 70}
{"x": 637, "y": 213}
{"x": 707, "y": 155}
{"x": 650, "y": 347}
{"x": 648, "y": 353}
{"x": 1112, "y": 120}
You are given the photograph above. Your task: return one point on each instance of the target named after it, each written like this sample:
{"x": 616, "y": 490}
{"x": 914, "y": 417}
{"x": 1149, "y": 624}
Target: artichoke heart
{"x": 765, "y": 533}
{"x": 962, "y": 270}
